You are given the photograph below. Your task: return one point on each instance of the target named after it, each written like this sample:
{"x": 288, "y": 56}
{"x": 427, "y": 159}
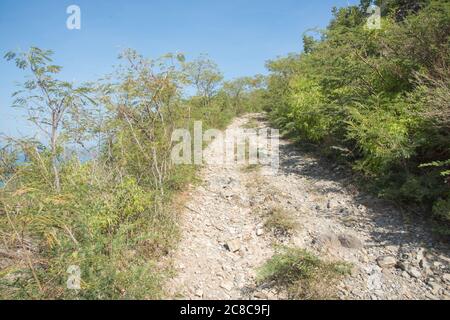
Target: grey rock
{"x": 233, "y": 245}
{"x": 386, "y": 261}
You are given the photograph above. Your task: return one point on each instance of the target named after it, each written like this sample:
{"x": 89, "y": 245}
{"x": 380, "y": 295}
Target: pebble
{"x": 199, "y": 293}
{"x": 446, "y": 277}
{"x": 227, "y": 285}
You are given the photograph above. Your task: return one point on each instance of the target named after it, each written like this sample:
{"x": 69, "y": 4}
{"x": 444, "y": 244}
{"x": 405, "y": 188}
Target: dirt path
{"x": 224, "y": 242}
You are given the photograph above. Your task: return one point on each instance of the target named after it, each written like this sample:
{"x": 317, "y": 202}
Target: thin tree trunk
{"x": 54, "y": 137}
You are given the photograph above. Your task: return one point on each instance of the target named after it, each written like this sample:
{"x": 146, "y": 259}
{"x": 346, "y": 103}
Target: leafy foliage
{"x": 112, "y": 215}
{"x": 382, "y": 95}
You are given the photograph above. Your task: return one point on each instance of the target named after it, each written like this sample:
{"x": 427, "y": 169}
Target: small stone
{"x": 227, "y": 268}
{"x": 435, "y": 288}
{"x": 199, "y": 293}
{"x": 405, "y": 275}
{"x": 272, "y": 296}
{"x": 446, "y": 277}
{"x": 392, "y": 249}
{"x": 430, "y": 296}
{"x": 437, "y": 264}
{"x": 386, "y": 261}
{"x": 233, "y": 245}
{"x": 239, "y": 280}
{"x": 227, "y": 285}
{"x": 259, "y": 232}
{"x": 364, "y": 258}
{"x": 260, "y": 295}
{"x": 414, "y": 272}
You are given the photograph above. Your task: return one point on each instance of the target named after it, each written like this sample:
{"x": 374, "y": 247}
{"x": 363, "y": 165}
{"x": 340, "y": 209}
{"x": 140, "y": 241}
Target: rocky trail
{"x": 224, "y": 241}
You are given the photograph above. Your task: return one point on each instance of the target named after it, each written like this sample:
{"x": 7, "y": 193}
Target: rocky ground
{"x": 224, "y": 242}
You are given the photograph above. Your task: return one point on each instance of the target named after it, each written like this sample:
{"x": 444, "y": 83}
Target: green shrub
{"x": 308, "y": 112}
{"x": 110, "y": 230}
{"x": 381, "y": 96}
{"x": 302, "y": 274}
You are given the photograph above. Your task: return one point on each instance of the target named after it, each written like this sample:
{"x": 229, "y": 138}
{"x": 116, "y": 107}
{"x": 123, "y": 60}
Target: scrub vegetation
{"x": 110, "y": 215}
{"x": 376, "y": 99}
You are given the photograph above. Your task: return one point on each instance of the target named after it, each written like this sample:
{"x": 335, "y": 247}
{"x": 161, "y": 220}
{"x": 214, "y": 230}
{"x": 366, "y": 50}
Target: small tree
{"x": 50, "y": 103}
{"x": 204, "y": 74}
{"x": 241, "y": 90}
{"x": 144, "y": 107}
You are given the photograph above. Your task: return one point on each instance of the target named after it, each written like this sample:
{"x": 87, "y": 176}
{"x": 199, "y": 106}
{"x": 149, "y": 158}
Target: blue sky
{"x": 240, "y": 35}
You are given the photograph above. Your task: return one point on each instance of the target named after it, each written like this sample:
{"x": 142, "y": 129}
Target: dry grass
{"x": 281, "y": 221}
{"x": 251, "y": 168}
